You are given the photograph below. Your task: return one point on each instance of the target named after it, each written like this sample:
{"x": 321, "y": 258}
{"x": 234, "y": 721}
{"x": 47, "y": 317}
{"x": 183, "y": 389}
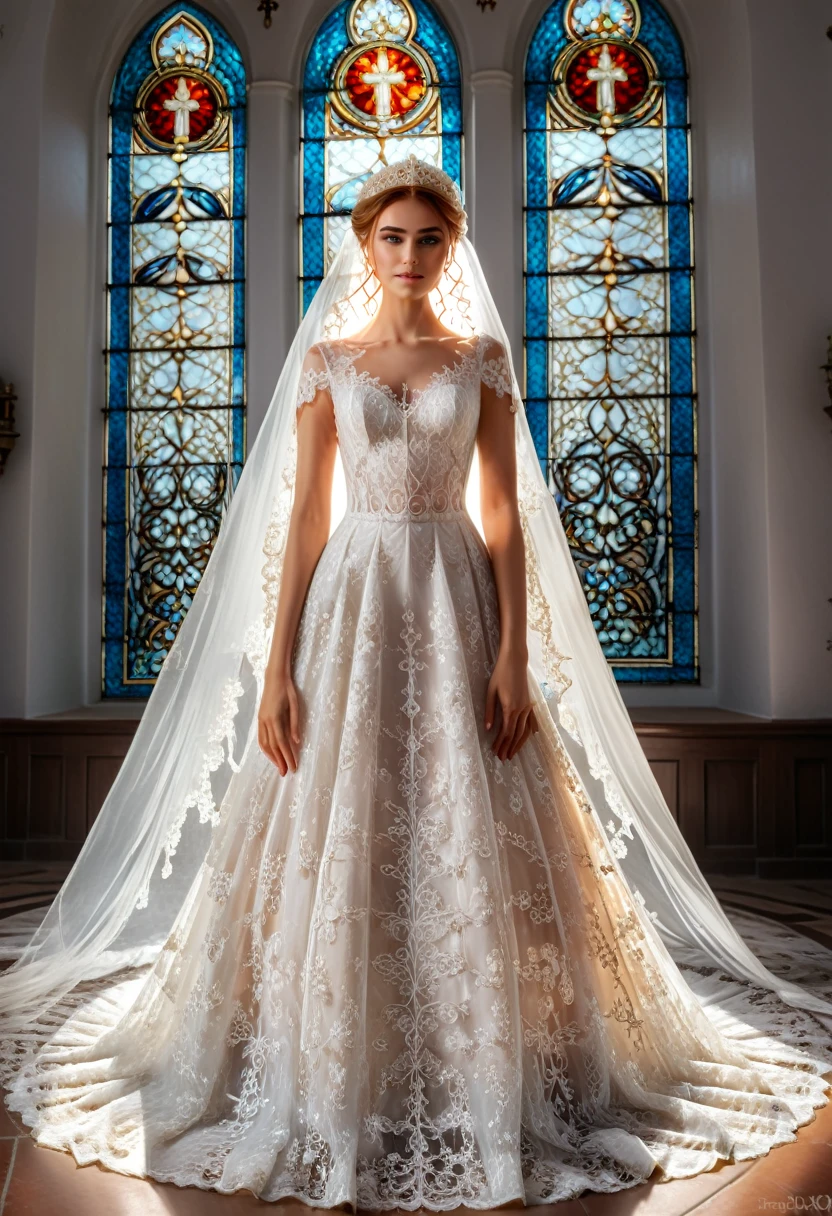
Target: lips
{"x": 411, "y": 278}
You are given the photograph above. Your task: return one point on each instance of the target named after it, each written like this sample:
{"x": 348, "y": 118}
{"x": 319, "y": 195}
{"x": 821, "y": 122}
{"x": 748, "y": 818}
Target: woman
{"x": 407, "y": 964}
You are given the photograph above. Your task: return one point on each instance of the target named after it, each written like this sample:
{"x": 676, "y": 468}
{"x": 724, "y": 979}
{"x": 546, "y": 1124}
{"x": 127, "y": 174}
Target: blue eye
{"x": 425, "y": 240}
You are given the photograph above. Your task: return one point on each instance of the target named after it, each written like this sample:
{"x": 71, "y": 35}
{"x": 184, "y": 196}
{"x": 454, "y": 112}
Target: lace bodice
{"x": 407, "y": 454}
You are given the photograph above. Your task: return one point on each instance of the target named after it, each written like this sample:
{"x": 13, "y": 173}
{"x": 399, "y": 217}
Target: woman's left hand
{"x": 509, "y": 687}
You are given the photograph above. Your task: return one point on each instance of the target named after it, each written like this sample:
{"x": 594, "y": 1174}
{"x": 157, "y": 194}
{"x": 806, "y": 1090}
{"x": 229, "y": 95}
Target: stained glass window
{"x": 381, "y": 81}
{"x": 609, "y": 320}
{"x": 175, "y": 415}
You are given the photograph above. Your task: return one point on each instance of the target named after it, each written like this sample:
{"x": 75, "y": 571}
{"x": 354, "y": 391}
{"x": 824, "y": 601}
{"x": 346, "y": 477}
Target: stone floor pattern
{"x": 792, "y": 1178}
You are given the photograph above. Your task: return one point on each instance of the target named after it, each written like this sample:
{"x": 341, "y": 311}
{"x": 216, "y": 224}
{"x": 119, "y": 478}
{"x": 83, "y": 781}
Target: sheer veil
{"x": 136, "y": 872}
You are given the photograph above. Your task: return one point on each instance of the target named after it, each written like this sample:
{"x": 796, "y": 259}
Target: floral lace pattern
{"x": 406, "y": 455}
{"x": 408, "y": 975}
{"x": 495, "y": 373}
{"x": 312, "y": 379}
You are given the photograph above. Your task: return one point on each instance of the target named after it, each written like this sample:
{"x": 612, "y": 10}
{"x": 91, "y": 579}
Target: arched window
{"x": 175, "y": 415}
{"x": 609, "y": 320}
{"x": 381, "y": 81}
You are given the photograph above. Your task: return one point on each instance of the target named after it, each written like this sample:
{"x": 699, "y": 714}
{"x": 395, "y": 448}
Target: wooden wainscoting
{"x": 751, "y": 796}
{"x": 54, "y": 776}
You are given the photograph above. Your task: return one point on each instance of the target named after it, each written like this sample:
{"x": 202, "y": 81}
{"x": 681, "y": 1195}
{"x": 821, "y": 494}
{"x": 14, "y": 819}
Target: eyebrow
{"x": 390, "y": 228}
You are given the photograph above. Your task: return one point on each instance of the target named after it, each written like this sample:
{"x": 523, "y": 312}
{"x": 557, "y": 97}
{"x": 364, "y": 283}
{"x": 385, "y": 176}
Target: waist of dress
{"x": 408, "y": 517}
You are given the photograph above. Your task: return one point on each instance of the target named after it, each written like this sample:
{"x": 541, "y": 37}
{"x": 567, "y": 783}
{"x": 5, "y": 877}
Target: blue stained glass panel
{"x": 536, "y": 369}
{"x": 681, "y": 432}
{"x": 678, "y": 234}
{"x": 609, "y": 292}
{"x": 175, "y": 414}
{"x": 659, "y": 35}
{"x": 676, "y": 102}
{"x": 536, "y": 307}
{"x": 680, "y": 298}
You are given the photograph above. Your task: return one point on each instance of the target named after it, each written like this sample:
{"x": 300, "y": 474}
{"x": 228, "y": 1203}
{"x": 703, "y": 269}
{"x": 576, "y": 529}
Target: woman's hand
{"x": 278, "y": 730}
{"x": 509, "y": 687}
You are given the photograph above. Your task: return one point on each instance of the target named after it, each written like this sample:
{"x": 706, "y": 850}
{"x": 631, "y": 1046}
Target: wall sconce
{"x": 7, "y": 432}
{"x": 267, "y": 7}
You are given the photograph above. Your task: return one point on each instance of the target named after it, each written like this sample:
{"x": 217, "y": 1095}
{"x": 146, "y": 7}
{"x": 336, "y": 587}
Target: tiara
{"x": 412, "y": 172}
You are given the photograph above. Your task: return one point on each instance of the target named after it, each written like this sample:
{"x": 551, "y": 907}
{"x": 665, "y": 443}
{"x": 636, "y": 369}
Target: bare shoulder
{"x": 314, "y": 356}
{"x": 315, "y": 367}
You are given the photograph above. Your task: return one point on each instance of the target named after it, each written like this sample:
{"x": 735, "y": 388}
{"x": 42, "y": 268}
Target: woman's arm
{"x": 509, "y": 685}
{"x": 278, "y": 716}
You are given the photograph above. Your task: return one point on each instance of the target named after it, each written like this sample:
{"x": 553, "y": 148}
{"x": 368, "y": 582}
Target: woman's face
{"x": 409, "y": 248}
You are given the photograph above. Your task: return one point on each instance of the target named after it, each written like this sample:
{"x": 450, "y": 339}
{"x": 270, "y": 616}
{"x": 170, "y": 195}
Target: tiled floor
{"x": 793, "y": 1178}
{"x": 26, "y": 884}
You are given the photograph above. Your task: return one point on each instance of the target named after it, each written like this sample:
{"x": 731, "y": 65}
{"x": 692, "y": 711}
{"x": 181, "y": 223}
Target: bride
{"x": 385, "y": 908}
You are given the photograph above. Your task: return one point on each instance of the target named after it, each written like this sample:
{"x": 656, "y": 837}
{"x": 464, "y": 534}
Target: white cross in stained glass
{"x": 182, "y": 105}
{"x": 606, "y": 75}
{"x": 382, "y": 80}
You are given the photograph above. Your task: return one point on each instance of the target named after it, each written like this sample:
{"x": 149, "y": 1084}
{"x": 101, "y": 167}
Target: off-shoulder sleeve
{"x": 314, "y": 375}
{"x": 494, "y": 370}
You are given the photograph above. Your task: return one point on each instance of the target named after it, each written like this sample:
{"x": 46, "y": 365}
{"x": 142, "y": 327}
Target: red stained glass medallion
{"x": 180, "y": 105}
{"x": 385, "y": 82}
{"x": 610, "y": 66}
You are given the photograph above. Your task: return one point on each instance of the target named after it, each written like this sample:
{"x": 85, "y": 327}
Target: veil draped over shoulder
{"x": 137, "y": 869}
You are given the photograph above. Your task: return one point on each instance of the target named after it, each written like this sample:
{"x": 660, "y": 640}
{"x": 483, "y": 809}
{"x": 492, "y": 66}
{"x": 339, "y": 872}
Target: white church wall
{"x": 792, "y": 65}
{"x": 67, "y": 395}
{"x": 22, "y": 51}
{"x": 750, "y": 373}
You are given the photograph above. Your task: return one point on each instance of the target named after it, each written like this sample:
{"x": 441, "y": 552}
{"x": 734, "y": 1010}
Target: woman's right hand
{"x": 278, "y": 727}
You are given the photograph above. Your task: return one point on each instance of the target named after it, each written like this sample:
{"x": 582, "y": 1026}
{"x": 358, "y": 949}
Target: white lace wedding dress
{"x": 409, "y": 975}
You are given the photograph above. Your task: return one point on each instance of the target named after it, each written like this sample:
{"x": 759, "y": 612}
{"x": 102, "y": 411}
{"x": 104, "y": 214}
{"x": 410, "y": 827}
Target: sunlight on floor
{"x": 791, "y": 1178}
